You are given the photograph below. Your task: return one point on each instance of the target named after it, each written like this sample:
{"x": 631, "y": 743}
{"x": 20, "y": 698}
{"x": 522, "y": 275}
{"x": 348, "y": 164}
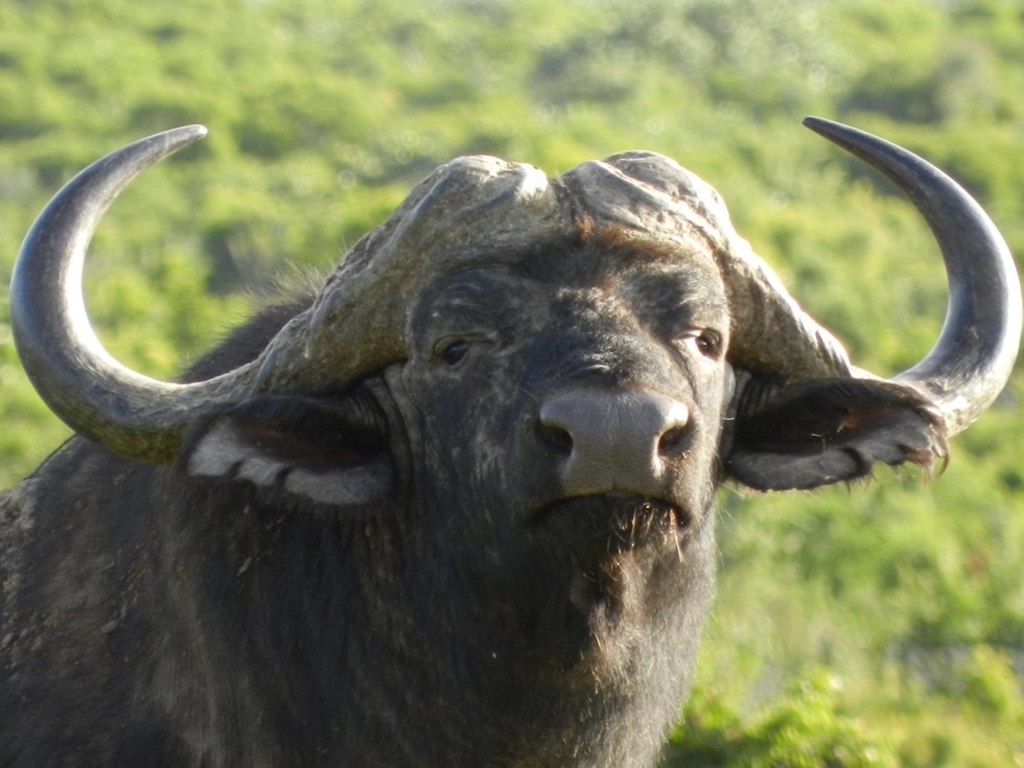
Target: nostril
{"x": 559, "y": 418}
{"x": 676, "y": 428}
{"x": 557, "y": 438}
{"x": 672, "y": 441}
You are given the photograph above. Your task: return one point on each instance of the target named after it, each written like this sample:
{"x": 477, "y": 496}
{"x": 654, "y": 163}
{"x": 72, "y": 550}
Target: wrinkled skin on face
{"x": 595, "y": 598}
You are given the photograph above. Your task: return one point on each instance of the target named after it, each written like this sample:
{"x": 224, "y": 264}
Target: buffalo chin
{"x": 639, "y": 583}
{"x": 620, "y": 558}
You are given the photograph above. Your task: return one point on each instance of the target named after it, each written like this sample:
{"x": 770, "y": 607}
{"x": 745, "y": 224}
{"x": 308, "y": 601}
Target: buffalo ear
{"x": 320, "y": 451}
{"x": 830, "y": 430}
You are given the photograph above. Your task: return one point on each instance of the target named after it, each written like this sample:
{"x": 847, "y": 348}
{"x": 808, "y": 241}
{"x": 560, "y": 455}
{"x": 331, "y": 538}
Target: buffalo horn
{"x": 129, "y": 413}
{"x": 971, "y": 361}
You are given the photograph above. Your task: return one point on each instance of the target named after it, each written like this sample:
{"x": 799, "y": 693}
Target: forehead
{"x": 611, "y": 262}
{"x": 608, "y": 253}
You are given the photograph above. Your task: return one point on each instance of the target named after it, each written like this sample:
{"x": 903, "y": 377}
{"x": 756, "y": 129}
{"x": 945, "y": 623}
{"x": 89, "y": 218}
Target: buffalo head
{"x": 484, "y": 454}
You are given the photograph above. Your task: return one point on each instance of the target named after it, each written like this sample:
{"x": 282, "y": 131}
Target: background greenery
{"x": 877, "y": 625}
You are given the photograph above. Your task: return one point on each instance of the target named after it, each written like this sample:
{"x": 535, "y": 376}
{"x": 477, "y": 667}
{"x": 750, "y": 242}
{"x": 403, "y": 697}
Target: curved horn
{"x": 95, "y": 395}
{"x": 970, "y": 363}
{"x": 470, "y": 209}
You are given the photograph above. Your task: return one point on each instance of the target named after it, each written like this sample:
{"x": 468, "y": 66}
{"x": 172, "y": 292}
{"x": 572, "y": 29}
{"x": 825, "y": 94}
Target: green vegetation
{"x": 879, "y": 625}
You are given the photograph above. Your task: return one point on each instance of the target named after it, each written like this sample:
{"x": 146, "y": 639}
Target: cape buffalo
{"x": 457, "y": 507}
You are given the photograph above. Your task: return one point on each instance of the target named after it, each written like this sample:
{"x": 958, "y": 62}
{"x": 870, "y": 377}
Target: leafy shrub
{"x": 803, "y": 729}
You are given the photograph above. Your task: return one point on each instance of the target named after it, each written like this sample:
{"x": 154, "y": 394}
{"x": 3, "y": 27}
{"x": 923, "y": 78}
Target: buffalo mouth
{"x": 615, "y": 523}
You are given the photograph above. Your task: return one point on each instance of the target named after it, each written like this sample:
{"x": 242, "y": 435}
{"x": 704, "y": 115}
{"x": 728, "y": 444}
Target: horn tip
{"x": 830, "y": 129}
{"x": 187, "y": 134}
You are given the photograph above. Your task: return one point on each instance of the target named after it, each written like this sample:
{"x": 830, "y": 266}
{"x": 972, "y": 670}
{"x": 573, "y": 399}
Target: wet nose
{"x": 614, "y": 440}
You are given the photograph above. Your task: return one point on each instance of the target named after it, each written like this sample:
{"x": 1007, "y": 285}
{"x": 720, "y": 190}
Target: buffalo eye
{"x": 707, "y": 341}
{"x": 453, "y": 351}
{"x": 710, "y": 343}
